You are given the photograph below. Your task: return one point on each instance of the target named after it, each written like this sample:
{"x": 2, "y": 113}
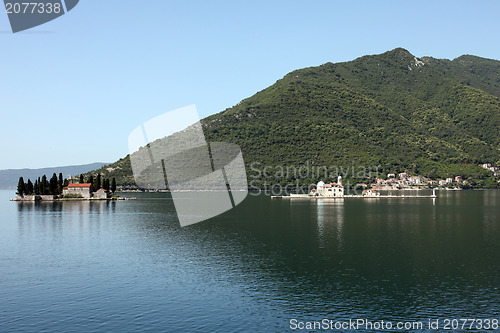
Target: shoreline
{"x": 38, "y": 199}
{"x": 352, "y": 196}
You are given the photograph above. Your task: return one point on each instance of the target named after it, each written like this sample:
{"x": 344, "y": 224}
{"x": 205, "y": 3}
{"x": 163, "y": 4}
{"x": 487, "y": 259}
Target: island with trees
{"x": 58, "y": 188}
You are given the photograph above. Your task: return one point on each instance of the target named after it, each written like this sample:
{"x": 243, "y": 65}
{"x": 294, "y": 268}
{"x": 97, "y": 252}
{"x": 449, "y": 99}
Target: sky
{"x": 73, "y": 89}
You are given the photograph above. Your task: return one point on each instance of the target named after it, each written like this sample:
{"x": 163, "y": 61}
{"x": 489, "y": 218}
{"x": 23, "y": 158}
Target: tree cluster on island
{"x": 55, "y": 185}
{"x": 100, "y": 182}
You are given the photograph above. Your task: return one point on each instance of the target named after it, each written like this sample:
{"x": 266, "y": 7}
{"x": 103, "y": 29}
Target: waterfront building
{"x": 84, "y": 190}
{"x": 329, "y": 190}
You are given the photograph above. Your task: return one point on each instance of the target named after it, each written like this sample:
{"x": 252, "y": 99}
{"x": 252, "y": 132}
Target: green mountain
{"x": 392, "y": 112}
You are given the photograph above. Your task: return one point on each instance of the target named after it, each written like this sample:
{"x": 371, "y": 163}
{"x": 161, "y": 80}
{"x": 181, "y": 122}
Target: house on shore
{"x": 415, "y": 180}
{"x": 83, "y": 190}
{"x": 370, "y": 193}
{"x": 101, "y": 194}
{"x": 404, "y": 175}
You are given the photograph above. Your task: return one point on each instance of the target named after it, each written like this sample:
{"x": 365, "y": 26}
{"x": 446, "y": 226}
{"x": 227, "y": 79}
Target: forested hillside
{"x": 433, "y": 117}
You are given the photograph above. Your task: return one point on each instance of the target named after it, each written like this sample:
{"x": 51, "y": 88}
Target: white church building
{"x": 329, "y": 190}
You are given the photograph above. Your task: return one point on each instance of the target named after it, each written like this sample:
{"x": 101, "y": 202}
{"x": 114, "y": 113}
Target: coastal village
{"x": 337, "y": 191}
{"x": 401, "y": 181}
{"x": 404, "y": 181}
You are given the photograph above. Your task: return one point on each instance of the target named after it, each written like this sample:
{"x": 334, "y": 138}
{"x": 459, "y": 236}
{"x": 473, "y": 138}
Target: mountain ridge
{"x": 393, "y": 110}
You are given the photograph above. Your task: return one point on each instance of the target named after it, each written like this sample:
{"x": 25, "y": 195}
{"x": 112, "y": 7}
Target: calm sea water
{"x": 128, "y": 266}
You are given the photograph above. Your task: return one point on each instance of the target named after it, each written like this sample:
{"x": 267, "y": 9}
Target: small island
{"x": 336, "y": 191}
{"x": 59, "y": 189}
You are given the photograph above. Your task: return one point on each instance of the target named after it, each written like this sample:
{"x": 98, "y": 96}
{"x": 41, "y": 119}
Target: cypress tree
{"x": 53, "y": 184}
{"x": 36, "y": 187}
{"x": 113, "y": 185}
{"x": 20, "y": 187}
{"x": 106, "y": 184}
{"x": 45, "y": 186}
{"x": 98, "y": 182}
{"x": 81, "y": 179}
{"x": 40, "y": 191}
{"x": 29, "y": 187}
{"x": 60, "y": 183}
{"x": 91, "y": 180}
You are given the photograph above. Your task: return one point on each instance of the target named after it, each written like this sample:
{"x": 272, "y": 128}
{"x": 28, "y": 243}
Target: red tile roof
{"x": 79, "y": 185}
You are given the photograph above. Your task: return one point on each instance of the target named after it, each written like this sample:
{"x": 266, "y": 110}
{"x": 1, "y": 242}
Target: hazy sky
{"x": 73, "y": 89}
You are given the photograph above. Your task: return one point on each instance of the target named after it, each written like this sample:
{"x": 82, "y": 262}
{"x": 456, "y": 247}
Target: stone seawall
{"x": 38, "y": 198}
{"x": 35, "y": 198}
{"x": 27, "y": 198}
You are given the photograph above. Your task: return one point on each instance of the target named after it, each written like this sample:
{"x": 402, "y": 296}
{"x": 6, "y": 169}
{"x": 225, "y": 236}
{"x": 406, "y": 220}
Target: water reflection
{"x": 330, "y": 218}
{"x": 57, "y": 219}
{"x": 269, "y": 260}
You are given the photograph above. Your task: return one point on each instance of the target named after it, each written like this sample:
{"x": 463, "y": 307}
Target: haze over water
{"x": 128, "y": 266}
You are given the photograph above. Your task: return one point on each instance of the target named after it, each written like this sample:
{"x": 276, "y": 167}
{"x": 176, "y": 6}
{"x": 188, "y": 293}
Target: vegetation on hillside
{"x": 391, "y": 113}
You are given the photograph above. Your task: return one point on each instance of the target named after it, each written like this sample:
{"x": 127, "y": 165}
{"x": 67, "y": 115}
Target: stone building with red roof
{"x": 84, "y": 190}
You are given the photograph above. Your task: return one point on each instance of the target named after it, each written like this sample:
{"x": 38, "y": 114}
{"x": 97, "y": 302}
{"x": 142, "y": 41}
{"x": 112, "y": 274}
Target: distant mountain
{"x": 9, "y": 178}
{"x": 434, "y": 117}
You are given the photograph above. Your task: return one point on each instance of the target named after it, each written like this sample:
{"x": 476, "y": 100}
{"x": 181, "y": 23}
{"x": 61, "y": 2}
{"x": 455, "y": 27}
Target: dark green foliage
{"x": 44, "y": 186}
{"x": 40, "y": 186}
{"x": 29, "y": 187}
{"x": 121, "y": 170}
{"x": 90, "y": 180}
{"x": 60, "y": 183}
{"x": 81, "y": 179}
{"x": 53, "y": 184}
{"x": 98, "y": 182}
{"x": 106, "y": 184}
{"x": 113, "y": 185}
{"x": 393, "y": 111}
{"x": 36, "y": 189}
{"x": 21, "y": 190}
